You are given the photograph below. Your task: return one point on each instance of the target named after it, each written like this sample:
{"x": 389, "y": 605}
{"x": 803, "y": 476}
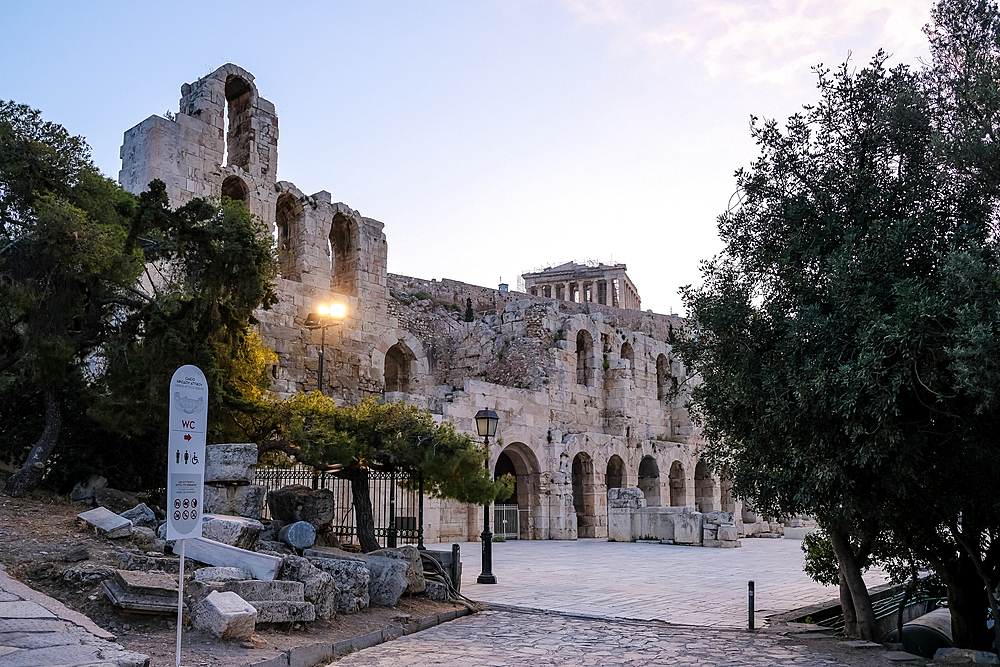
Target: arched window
{"x": 627, "y": 353}
{"x": 344, "y": 250}
{"x": 583, "y": 495}
{"x": 234, "y": 188}
{"x": 584, "y": 351}
{"x": 704, "y": 488}
{"x": 666, "y": 383}
{"x": 397, "y": 368}
{"x": 239, "y": 95}
{"x": 288, "y": 220}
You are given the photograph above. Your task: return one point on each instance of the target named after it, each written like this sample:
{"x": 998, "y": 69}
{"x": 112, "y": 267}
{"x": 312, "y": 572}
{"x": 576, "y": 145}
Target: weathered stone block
{"x": 300, "y": 503}
{"x": 283, "y": 611}
{"x": 728, "y": 533}
{"x": 244, "y": 500}
{"x": 236, "y": 531}
{"x": 107, "y": 522}
{"x": 415, "y": 582}
{"x": 388, "y": 579}
{"x": 626, "y": 498}
{"x": 436, "y": 591}
{"x": 687, "y": 528}
{"x": 300, "y": 535}
{"x": 226, "y": 615}
{"x": 84, "y": 491}
{"x": 275, "y": 590}
{"x": 262, "y": 566}
{"x": 141, "y": 515}
{"x": 221, "y": 574}
{"x": 318, "y": 586}
{"x": 233, "y": 462}
{"x": 351, "y": 578}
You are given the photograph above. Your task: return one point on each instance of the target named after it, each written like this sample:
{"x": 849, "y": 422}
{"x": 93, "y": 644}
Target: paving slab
{"x": 24, "y": 609}
{"x": 676, "y": 584}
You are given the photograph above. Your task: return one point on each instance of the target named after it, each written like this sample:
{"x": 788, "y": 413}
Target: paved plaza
{"x": 498, "y": 638}
{"x": 683, "y": 585}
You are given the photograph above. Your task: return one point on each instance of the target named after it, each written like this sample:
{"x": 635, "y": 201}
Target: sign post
{"x": 186, "y": 467}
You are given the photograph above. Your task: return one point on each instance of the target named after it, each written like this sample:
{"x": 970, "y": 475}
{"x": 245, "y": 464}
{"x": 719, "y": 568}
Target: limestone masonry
{"x": 584, "y": 389}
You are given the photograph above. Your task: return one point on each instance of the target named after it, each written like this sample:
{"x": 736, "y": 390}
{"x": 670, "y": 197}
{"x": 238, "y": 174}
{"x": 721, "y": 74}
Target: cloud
{"x": 762, "y": 40}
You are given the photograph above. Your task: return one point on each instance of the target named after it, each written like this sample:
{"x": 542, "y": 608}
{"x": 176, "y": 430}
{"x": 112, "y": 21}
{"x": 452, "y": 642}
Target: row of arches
{"x": 520, "y": 462}
{"x": 666, "y": 381}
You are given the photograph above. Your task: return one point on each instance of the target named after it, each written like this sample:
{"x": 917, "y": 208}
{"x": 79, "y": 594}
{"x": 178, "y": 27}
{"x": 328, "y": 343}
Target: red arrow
{"x": 187, "y": 436}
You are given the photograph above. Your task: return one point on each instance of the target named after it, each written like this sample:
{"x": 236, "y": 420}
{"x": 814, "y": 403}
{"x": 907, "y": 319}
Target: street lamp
{"x": 486, "y": 424}
{"x": 326, "y": 316}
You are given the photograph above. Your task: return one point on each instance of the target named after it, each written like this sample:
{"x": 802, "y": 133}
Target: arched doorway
{"x": 704, "y": 488}
{"x": 397, "y": 368}
{"x": 518, "y": 460}
{"x": 584, "y": 351}
{"x": 649, "y": 481}
{"x": 583, "y": 495}
{"x": 288, "y": 220}
{"x": 615, "y": 477}
{"x": 678, "y": 490}
{"x": 344, "y": 234}
{"x": 239, "y": 132}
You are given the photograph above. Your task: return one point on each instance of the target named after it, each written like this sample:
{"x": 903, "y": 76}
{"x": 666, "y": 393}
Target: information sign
{"x": 186, "y": 453}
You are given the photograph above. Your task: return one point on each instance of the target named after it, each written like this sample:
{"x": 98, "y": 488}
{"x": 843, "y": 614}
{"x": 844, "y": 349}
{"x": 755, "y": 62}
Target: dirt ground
{"x": 36, "y": 533}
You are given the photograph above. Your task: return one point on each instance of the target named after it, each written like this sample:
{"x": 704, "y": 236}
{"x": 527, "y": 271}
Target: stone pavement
{"x": 38, "y": 631}
{"x": 500, "y": 638}
{"x": 683, "y": 585}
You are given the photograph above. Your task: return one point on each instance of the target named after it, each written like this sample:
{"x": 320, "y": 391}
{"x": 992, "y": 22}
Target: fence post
{"x": 456, "y": 562}
{"x": 392, "y": 510}
{"x": 420, "y": 512}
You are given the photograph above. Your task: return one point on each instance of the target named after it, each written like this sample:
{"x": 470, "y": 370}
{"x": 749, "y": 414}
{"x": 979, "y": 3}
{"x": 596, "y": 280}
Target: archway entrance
{"x": 397, "y": 368}
{"x": 615, "y": 477}
{"x": 678, "y": 492}
{"x": 649, "y": 481}
{"x": 518, "y": 460}
{"x": 726, "y": 491}
{"x": 583, "y": 495}
{"x": 704, "y": 488}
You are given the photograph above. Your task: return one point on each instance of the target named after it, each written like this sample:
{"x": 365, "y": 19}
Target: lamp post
{"x": 326, "y": 316}
{"x": 486, "y": 424}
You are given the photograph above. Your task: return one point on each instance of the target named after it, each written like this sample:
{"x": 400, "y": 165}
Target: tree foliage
{"x": 102, "y": 295}
{"x": 391, "y": 436}
{"x": 844, "y": 334}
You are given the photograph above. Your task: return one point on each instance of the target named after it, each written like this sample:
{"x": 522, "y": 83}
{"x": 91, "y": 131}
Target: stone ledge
{"x": 321, "y": 652}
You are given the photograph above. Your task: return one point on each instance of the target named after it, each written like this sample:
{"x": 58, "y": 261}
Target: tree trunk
{"x": 966, "y": 602}
{"x": 30, "y": 474}
{"x": 847, "y": 606}
{"x": 364, "y": 521}
{"x": 850, "y": 572}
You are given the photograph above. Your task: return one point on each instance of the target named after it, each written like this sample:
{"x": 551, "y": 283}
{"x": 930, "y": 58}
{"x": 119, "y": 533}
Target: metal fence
{"x": 506, "y": 521}
{"x": 398, "y": 512}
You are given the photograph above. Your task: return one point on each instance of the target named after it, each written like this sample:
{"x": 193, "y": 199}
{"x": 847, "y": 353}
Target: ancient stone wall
{"x": 585, "y": 391}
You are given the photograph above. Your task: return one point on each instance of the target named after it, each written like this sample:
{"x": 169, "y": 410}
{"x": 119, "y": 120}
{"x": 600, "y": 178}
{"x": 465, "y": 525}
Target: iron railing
{"x": 398, "y": 512}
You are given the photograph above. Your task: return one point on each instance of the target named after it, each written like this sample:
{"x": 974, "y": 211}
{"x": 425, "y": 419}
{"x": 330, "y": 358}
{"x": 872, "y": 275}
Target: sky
{"x": 492, "y": 137}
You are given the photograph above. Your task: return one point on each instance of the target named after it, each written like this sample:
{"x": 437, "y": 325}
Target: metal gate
{"x": 506, "y": 521}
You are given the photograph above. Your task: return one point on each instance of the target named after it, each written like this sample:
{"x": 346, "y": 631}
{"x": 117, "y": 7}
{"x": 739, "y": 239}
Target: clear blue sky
{"x": 491, "y": 137}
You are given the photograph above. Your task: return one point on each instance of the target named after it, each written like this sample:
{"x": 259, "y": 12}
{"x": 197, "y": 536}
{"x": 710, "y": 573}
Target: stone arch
{"x": 289, "y": 226}
{"x": 704, "y": 488}
{"x": 678, "y": 485}
{"x": 345, "y": 242}
{"x": 239, "y": 134}
{"x": 584, "y": 354}
{"x": 583, "y": 495}
{"x": 649, "y": 480}
{"x": 628, "y": 353}
{"x": 615, "y": 476}
{"x": 235, "y": 188}
{"x": 398, "y": 360}
{"x": 415, "y": 361}
{"x": 527, "y": 477}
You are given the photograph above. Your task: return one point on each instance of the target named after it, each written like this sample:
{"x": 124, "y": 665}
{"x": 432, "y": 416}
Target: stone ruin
{"x": 590, "y": 395}
{"x": 248, "y": 580}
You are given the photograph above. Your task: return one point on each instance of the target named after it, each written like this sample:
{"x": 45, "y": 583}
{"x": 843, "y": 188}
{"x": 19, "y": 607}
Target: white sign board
{"x": 186, "y": 453}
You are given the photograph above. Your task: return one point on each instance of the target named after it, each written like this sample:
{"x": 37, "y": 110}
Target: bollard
{"x": 456, "y": 575}
{"x": 750, "y": 608}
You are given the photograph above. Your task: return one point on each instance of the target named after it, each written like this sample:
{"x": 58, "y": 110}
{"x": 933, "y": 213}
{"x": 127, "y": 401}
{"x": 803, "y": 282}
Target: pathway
{"x": 38, "y": 631}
